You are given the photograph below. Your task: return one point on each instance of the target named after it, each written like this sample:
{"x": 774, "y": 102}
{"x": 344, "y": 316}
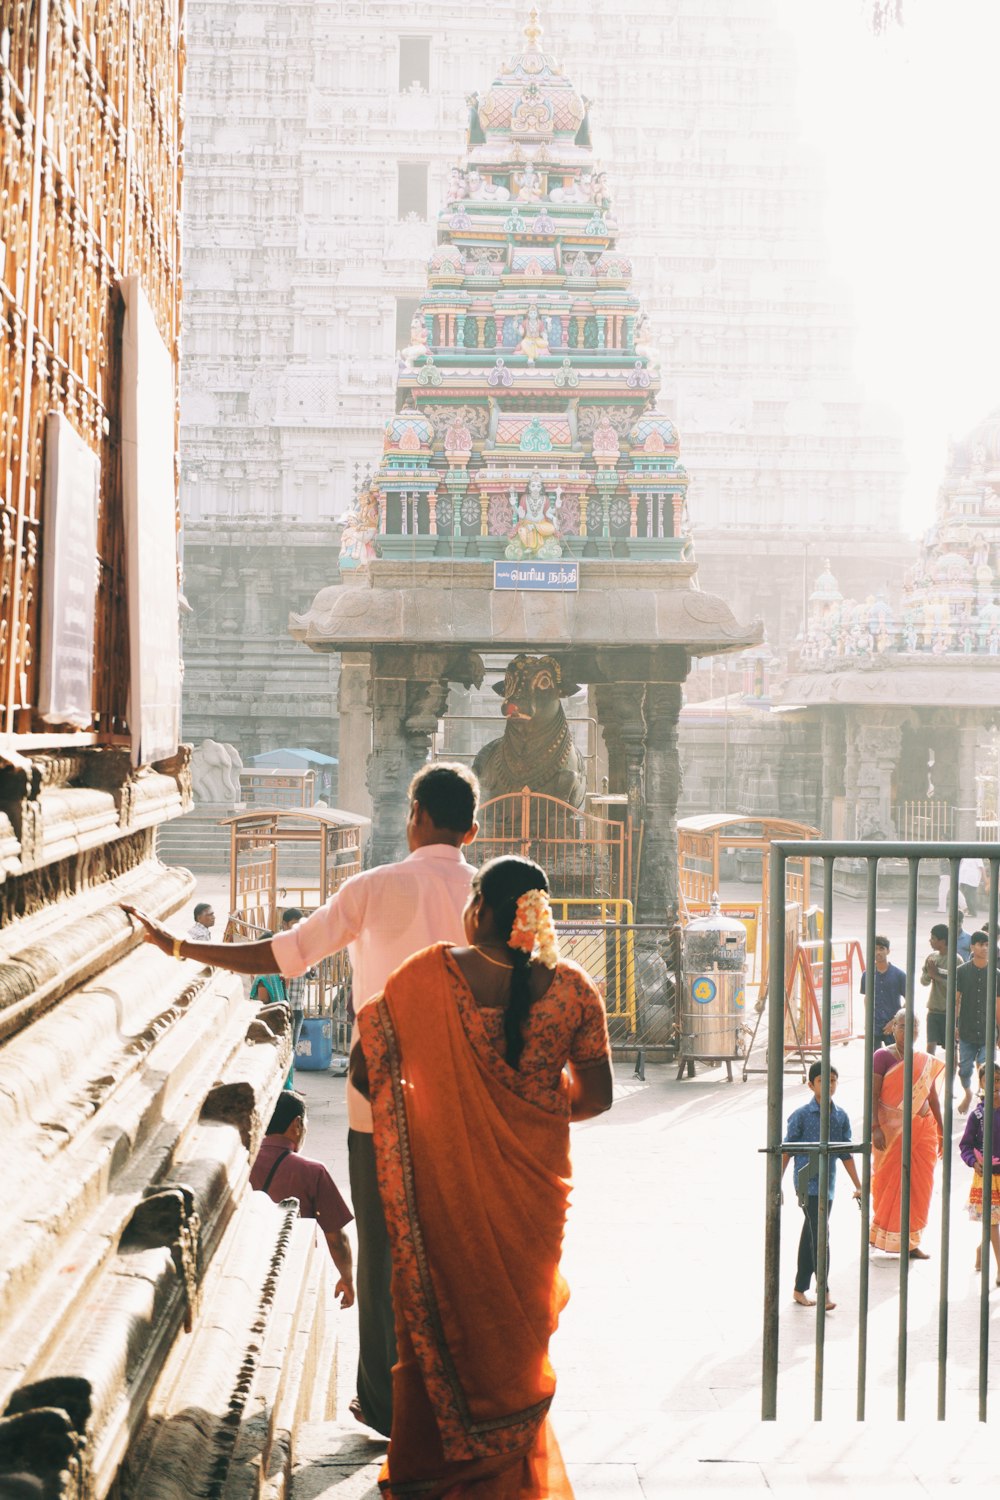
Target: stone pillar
{"x": 619, "y": 713}
{"x": 409, "y": 695}
{"x": 354, "y": 709}
{"x": 833, "y": 770}
{"x": 966, "y": 801}
{"x": 658, "y": 873}
{"x": 877, "y": 743}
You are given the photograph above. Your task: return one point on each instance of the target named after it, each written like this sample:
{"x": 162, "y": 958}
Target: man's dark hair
{"x": 290, "y": 1106}
{"x": 978, "y": 937}
{"x": 448, "y": 794}
{"x": 882, "y": 942}
{"x": 291, "y": 914}
{"x": 816, "y": 1068}
{"x": 202, "y": 906}
{"x": 940, "y": 931}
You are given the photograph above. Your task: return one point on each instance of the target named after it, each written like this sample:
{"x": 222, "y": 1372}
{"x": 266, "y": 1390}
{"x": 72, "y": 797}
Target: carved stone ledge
{"x": 58, "y": 803}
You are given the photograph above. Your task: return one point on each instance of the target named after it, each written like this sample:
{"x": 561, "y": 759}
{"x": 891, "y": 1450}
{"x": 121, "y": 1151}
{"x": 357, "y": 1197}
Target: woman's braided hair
{"x": 502, "y": 882}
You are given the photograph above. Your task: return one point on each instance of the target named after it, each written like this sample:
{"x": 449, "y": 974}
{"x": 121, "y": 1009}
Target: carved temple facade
{"x": 527, "y": 437}
{"x": 147, "y": 1298}
{"x": 889, "y": 722}
{"x": 307, "y": 234}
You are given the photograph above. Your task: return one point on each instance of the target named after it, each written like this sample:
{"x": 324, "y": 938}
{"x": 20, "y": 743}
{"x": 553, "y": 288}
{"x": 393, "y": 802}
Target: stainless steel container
{"x": 714, "y": 971}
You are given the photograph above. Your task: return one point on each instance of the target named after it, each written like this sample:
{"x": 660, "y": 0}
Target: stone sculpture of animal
{"x": 536, "y": 749}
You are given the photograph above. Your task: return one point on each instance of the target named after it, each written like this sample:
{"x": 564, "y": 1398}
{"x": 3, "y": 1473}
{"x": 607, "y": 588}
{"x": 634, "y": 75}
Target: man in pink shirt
{"x": 382, "y": 917}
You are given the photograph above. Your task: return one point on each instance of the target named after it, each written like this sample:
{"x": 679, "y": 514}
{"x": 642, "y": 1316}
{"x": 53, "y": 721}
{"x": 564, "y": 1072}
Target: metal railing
{"x": 872, "y": 854}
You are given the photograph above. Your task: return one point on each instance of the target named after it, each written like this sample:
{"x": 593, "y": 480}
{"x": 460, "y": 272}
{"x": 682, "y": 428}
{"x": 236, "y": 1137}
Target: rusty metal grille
{"x": 89, "y": 193}
{"x": 583, "y": 855}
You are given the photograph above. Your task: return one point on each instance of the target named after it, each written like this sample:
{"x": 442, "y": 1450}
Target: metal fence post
{"x": 775, "y": 1089}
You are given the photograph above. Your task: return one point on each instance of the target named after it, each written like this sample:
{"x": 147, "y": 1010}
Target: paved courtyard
{"x": 658, "y": 1355}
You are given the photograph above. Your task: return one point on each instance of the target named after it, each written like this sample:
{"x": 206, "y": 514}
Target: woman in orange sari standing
{"x": 888, "y": 1110}
{"x": 476, "y": 1059}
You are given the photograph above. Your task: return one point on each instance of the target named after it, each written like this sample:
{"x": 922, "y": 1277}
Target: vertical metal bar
{"x": 823, "y": 1206}
{"x": 775, "y": 1085}
{"x": 904, "y": 1206}
{"x": 866, "y": 1160}
{"x": 988, "y": 1146}
{"x": 947, "y": 1116}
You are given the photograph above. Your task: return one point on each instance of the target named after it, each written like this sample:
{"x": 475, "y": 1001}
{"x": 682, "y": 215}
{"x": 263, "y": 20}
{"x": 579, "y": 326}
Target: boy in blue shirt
{"x": 803, "y": 1125}
{"x": 890, "y": 993}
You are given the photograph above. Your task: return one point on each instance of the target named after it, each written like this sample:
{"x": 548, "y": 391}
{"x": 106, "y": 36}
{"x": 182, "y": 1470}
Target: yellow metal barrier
{"x": 601, "y": 940}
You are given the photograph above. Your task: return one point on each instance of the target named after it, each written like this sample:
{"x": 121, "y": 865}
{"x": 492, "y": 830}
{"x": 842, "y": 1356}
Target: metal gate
{"x": 874, "y": 863}
{"x": 582, "y": 854}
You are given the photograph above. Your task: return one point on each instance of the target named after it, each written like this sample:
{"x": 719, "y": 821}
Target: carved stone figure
{"x": 534, "y": 334}
{"x": 536, "y": 749}
{"x": 215, "y": 773}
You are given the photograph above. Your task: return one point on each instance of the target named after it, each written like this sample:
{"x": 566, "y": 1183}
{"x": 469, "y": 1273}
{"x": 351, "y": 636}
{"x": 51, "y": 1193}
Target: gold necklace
{"x": 494, "y": 961}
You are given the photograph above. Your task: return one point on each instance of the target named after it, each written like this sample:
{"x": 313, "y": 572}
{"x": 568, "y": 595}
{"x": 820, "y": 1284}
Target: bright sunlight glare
{"x": 909, "y": 127}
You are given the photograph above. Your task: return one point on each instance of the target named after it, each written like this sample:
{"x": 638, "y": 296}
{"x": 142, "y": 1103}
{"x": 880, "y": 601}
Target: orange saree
{"x": 473, "y": 1167}
{"x": 887, "y": 1165}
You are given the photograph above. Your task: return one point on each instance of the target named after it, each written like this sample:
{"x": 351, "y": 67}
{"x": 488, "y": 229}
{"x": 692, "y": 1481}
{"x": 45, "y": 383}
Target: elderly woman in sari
{"x": 888, "y": 1112}
{"x": 476, "y": 1059}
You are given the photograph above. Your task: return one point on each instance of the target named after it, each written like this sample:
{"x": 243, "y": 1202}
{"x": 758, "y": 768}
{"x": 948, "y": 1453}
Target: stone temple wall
{"x": 148, "y": 1300}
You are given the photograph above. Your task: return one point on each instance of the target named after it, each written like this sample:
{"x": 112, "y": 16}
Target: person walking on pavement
{"x": 971, "y": 1150}
{"x": 970, "y": 1014}
{"x": 970, "y": 875}
{"x": 495, "y": 1046}
{"x": 889, "y": 1109}
{"x": 382, "y": 916}
{"x": 804, "y": 1125}
{"x": 281, "y": 1171}
{"x": 935, "y": 974}
{"x": 890, "y": 992}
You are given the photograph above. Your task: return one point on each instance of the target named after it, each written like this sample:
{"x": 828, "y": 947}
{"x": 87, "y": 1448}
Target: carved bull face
{"x": 531, "y": 689}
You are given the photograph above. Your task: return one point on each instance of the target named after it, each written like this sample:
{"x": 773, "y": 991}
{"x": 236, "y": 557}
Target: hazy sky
{"x": 909, "y": 125}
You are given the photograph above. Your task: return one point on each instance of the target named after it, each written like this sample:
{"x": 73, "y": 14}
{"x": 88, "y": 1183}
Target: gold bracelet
{"x": 176, "y": 950}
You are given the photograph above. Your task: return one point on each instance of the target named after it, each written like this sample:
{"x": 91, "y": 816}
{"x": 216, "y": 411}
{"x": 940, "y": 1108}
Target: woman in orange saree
{"x": 888, "y": 1110}
{"x": 475, "y": 1060}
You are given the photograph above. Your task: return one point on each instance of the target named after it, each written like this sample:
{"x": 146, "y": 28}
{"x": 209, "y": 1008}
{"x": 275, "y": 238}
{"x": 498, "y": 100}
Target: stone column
{"x": 409, "y": 694}
{"x": 966, "y": 801}
{"x": 658, "y": 873}
{"x": 354, "y": 709}
{"x": 877, "y": 742}
{"x": 833, "y": 770}
{"x": 619, "y": 712}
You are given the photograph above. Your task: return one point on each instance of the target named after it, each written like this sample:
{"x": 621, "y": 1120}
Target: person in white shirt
{"x": 204, "y": 921}
{"x": 970, "y": 874}
{"x": 382, "y": 917}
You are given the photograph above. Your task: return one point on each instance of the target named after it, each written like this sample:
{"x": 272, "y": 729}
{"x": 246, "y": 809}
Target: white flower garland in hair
{"x": 534, "y": 931}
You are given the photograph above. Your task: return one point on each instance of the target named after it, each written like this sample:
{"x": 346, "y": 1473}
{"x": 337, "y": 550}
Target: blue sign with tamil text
{"x": 551, "y": 577}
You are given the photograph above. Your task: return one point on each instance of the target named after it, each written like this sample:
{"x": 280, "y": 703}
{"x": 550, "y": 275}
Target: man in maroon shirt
{"x": 281, "y": 1171}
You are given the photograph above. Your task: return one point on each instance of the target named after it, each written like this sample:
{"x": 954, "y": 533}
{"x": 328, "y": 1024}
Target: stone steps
{"x": 133, "y": 1095}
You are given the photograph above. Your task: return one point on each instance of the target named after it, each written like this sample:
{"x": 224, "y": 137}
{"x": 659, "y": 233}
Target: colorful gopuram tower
{"x": 530, "y": 498}
{"x": 526, "y": 422}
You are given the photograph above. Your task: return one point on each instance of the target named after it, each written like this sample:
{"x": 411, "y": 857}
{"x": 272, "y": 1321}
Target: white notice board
{"x": 150, "y": 532}
{"x": 69, "y": 576}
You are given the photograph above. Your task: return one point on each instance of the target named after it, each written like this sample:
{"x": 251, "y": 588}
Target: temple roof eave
{"x": 638, "y": 605}
{"x": 958, "y": 682}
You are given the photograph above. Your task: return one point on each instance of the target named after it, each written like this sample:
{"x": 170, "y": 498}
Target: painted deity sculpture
{"x": 535, "y": 532}
{"x": 534, "y": 335}
{"x": 418, "y": 346}
{"x": 357, "y": 543}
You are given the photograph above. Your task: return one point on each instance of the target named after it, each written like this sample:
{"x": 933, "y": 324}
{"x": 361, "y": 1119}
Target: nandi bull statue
{"x": 536, "y": 749}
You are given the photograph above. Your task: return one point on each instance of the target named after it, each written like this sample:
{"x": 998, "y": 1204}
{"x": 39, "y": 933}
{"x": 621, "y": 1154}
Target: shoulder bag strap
{"x": 274, "y": 1167}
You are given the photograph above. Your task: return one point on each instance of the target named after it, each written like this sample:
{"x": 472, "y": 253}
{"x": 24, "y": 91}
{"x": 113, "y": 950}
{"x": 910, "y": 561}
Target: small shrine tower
{"x": 530, "y": 496}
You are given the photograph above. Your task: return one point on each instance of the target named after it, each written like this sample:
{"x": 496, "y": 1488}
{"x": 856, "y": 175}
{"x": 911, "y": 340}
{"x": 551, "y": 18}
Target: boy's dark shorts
{"x": 936, "y": 1028}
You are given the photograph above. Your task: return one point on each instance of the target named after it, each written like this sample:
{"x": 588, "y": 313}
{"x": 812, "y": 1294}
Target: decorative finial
{"x": 533, "y": 30}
